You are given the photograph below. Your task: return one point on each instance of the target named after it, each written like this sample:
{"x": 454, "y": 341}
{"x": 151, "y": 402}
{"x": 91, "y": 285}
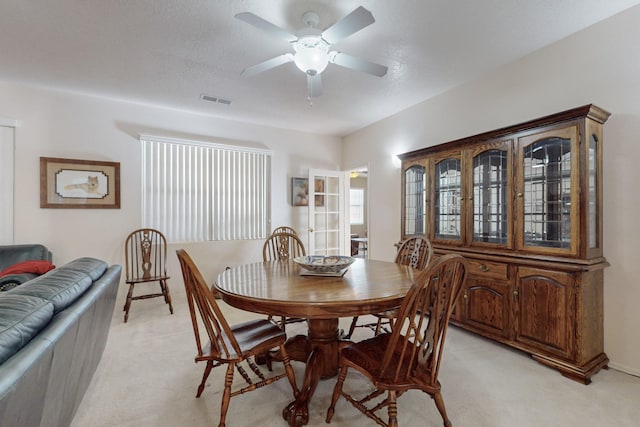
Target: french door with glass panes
{"x": 328, "y": 223}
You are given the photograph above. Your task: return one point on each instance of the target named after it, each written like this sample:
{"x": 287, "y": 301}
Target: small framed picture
{"x": 79, "y": 184}
{"x": 300, "y": 191}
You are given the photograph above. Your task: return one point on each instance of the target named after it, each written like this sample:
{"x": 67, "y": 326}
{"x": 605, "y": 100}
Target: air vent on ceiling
{"x": 215, "y": 99}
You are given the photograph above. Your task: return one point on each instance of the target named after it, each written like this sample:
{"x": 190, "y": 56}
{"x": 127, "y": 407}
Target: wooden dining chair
{"x": 145, "y": 252}
{"x": 283, "y": 246}
{"x": 230, "y": 344}
{"x": 416, "y": 252}
{"x": 409, "y": 357}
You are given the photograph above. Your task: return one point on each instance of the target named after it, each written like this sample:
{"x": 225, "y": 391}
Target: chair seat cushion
{"x": 257, "y": 333}
{"x": 367, "y": 356}
{"x": 21, "y": 318}
{"x": 254, "y": 337}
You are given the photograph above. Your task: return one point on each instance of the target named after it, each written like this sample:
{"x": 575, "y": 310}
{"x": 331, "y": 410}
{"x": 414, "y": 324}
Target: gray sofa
{"x": 53, "y": 331}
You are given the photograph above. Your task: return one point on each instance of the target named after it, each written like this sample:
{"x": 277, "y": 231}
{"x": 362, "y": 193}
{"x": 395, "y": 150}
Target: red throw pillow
{"x": 33, "y": 266}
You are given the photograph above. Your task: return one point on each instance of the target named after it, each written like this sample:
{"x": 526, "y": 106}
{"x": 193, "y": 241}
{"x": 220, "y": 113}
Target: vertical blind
{"x": 6, "y": 184}
{"x": 195, "y": 191}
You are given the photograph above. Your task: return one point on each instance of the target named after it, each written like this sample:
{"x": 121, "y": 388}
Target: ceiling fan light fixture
{"x": 312, "y": 54}
{"x": 311, "y": 47}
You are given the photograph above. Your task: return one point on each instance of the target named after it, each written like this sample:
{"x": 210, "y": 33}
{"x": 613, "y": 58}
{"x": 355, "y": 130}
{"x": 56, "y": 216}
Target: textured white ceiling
{"x": 169, "y": 52}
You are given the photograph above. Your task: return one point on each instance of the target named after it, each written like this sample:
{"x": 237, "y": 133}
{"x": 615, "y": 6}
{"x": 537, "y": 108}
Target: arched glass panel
{"x": 415, "y": 192}
{"x": 547, "y": 193}
{"x": 490, "y": 197}
{"x": 447, "y": 199}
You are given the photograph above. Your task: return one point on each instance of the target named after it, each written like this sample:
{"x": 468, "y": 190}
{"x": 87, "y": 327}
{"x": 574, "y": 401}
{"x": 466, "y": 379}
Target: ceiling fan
{"x": 311, "y": 47}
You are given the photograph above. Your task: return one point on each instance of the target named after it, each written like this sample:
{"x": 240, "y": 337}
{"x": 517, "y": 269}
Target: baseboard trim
{"x": 624, "y": 369}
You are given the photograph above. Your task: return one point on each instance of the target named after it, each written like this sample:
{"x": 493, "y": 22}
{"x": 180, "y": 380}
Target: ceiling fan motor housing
{"x": 311, "y": 19}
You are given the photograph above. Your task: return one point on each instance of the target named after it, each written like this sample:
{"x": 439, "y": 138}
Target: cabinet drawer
{"x": 488, "y": 269}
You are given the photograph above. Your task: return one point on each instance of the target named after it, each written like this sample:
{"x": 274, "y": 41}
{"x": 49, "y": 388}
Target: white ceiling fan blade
{"x": 352, "y": 23}
{"x": 267, "y": 65}
{"x": 266, "y": 26}
{"x": 314, "y": 85}
{"x": 358, "y": 64}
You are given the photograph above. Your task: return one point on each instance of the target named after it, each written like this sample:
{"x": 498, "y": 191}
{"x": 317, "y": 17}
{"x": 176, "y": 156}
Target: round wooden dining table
{"x": 283, "y": 288}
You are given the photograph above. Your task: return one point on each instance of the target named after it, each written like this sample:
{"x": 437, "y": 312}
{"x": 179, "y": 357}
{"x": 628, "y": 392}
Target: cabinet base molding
{"x": 581, "y": 374}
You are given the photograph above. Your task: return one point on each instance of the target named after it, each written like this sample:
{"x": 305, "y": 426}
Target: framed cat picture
{"x": 79, "y": 184}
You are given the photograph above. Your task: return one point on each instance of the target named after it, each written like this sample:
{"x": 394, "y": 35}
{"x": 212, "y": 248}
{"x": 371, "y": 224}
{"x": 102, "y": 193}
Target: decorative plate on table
{"x": 324, "y": 264}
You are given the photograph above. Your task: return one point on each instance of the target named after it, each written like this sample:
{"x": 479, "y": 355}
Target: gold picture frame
{"x": 79, "y": 184}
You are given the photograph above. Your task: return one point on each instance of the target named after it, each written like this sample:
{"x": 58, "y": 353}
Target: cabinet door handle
{"x": 515, "y": 294}
{"x": 519, "y": 195}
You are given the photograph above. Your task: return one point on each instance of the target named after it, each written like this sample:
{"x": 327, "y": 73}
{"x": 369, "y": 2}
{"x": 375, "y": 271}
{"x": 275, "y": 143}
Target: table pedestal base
{"x": 320, "y": 350}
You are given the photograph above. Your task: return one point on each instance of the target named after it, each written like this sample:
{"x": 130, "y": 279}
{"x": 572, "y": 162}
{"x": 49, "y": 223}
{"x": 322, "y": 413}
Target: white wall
{"x": 59, "y": 124}
{"x": 600, "y": 65}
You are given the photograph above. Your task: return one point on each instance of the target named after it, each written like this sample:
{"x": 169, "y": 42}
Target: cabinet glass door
{"x": 448, "y": 196}
{"x": 414, "y": 200}
{"x": 593, "y": 190}
{"x": 490, "y": 183}
{"x": 546, "y": 192}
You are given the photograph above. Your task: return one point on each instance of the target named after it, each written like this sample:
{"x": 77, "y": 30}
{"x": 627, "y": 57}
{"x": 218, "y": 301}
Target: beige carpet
{"x": 147, "y": 377}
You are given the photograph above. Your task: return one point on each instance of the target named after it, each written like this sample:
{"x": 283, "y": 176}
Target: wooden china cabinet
{"x": 524, "y": 205}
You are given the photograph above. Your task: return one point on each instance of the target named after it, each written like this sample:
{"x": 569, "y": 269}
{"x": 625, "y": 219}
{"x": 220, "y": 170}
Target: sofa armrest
{"x": 13, "y": 254}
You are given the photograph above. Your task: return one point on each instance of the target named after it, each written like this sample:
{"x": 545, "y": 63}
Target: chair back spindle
{"x": 435, "y": 292}
{"x": 199, "y": 297}
{"x": 282, "y": 246}
{"x": 415, "y": 252}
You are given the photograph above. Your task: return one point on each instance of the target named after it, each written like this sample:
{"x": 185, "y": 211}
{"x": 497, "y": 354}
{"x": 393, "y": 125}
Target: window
{"x": 195, "y": 191}
{"x": 356, "y": 205}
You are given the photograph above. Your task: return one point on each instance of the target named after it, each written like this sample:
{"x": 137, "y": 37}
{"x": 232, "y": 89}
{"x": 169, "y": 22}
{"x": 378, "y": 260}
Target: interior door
{"x": 328, "y": 218}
